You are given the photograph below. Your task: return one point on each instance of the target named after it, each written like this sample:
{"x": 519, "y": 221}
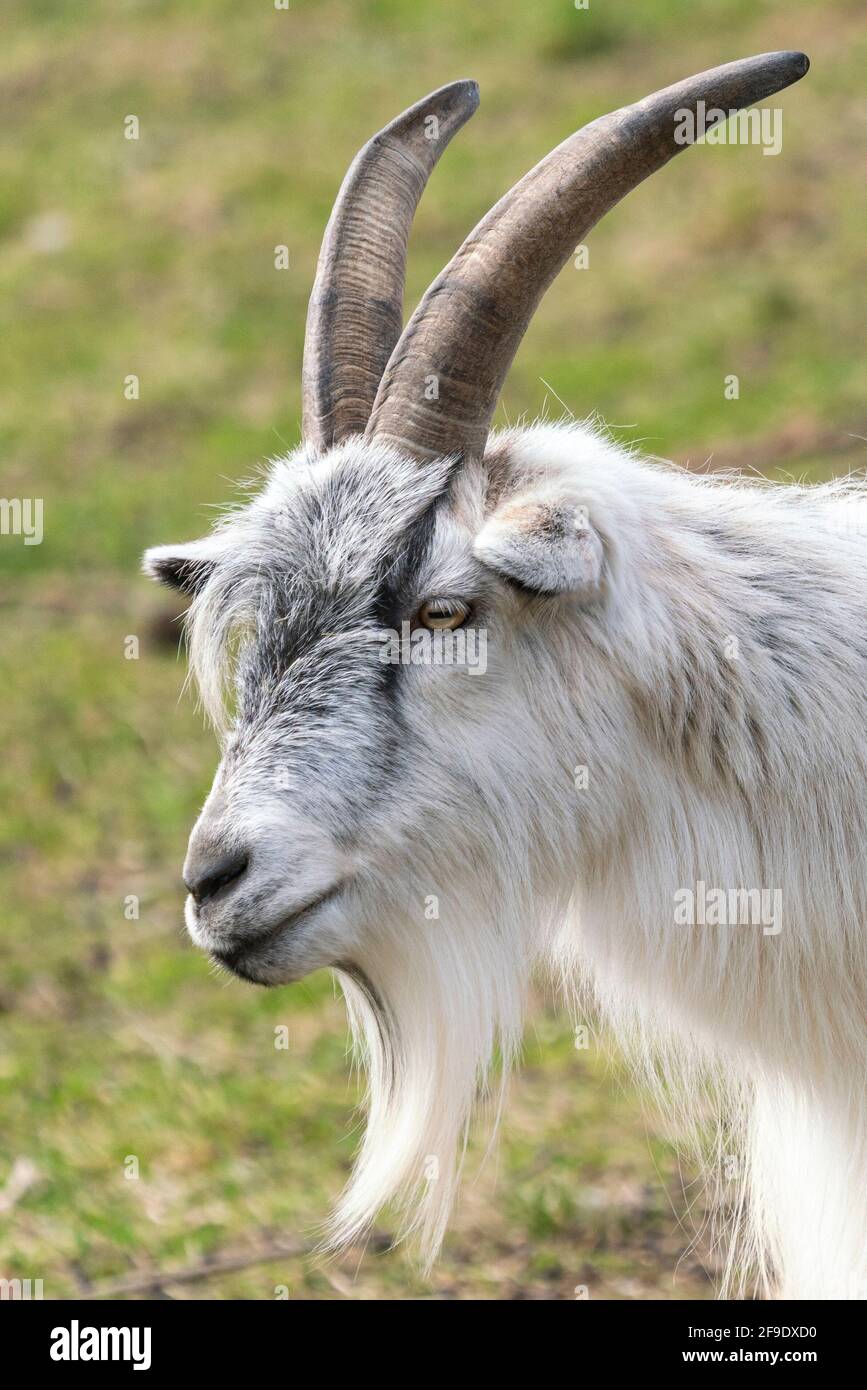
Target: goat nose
{"x": 206, "y": 874}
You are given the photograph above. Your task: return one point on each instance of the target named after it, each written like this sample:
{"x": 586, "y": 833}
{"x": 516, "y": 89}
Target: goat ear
{"x": 546, "y": 546}
{"x": 186, "y": 567}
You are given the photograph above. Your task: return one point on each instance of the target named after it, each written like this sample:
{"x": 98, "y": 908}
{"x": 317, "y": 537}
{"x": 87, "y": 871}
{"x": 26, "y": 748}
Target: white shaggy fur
{"x": 706, "y": 664}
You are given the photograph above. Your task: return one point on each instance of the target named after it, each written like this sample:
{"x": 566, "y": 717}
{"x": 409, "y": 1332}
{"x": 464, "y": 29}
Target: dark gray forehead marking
{"x": 304, "y": 607}
{"x": 394, "y": 582}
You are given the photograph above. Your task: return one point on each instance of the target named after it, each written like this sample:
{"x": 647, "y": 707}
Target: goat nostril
{"x": 205, "y": 881}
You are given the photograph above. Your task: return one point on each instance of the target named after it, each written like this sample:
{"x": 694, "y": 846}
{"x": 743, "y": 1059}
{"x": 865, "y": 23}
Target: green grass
{"x": 155, "y": 258}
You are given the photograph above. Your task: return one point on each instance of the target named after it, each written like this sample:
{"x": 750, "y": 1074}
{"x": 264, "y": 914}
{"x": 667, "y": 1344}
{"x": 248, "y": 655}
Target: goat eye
{"x": 440, "y": 613}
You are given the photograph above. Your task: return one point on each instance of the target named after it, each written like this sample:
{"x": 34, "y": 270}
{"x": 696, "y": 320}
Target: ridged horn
{"x": 460, "y": 342}
{"x": 356, "y": 308}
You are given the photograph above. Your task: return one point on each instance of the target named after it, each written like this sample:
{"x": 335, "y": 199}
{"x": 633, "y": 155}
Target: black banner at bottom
{"x": 85, "y": 1338}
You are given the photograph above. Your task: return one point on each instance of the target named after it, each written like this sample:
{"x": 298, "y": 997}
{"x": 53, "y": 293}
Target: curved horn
{"x": 467, "y": 329}
{"x": 356, "y": 307}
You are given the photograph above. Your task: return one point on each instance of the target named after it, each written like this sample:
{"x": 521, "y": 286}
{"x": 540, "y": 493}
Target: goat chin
{"x": 428, "y": 1016}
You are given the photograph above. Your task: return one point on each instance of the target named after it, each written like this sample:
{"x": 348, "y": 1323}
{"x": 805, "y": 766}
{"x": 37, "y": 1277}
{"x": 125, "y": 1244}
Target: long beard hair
{"x": 436, "y": 1012}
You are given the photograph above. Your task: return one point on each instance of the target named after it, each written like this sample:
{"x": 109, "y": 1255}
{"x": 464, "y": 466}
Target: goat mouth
{"x": 237, "y": 958}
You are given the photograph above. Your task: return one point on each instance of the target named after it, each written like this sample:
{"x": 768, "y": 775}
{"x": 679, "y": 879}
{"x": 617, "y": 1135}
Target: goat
{"x": 667, "y": 737}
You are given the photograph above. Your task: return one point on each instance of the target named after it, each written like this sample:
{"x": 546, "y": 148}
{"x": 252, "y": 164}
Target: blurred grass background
{"x": 156, "y": 257}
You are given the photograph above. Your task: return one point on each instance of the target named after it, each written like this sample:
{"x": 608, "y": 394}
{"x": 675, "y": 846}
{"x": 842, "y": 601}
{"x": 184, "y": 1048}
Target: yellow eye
{"x": 443, "y": 613}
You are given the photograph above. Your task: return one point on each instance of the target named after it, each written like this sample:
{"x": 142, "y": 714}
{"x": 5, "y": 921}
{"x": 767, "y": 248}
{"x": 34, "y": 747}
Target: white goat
{"x": 657, "y": 784}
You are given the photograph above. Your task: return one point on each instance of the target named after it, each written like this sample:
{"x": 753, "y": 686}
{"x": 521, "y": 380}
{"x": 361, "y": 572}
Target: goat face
{"x": 382, "y": 640}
